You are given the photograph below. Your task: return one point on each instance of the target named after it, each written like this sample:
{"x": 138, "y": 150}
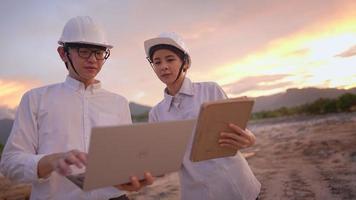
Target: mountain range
{"x": 295, "y": 97}
{"x": 138, "y": 109}
{"x": 5, "y": 129}
{"x": 290, "y": 98}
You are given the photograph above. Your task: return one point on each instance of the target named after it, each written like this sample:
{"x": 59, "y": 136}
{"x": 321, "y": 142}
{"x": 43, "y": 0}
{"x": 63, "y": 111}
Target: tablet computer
{"x": 213, "y": 119}
{"x": 118, "y": 152}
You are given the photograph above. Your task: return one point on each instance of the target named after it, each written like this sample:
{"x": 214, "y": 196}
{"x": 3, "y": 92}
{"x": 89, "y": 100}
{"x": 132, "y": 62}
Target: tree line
{"x": 344, "y": 103}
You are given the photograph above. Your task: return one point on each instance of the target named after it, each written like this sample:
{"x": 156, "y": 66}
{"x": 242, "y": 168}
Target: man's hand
{"x": 237, "y": 139}
{"x": 60, "y": 162}
{"x": 73, "y": 157}
{"x": 135, "y": 184}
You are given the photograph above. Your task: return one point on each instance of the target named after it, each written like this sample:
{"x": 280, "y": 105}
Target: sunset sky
{"x": 253, "y": 48}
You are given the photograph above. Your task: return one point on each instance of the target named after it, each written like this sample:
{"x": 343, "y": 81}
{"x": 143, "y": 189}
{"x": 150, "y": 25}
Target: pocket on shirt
{"x": 108, "y": 119}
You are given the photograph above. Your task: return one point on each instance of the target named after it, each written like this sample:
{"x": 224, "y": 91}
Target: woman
{"x": 222, "y": 178}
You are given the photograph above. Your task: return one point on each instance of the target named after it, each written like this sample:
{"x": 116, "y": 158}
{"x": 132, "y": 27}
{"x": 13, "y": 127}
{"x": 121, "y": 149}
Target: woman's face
{"x": 166, "y": 65}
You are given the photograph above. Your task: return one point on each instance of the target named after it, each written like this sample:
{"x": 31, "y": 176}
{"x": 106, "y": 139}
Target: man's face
{"x": 87, "y": 61}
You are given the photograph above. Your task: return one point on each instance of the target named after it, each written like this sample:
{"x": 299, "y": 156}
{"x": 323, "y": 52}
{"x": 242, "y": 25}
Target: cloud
{"x": 12, "y": 90}
{"x": 265, "y": 82}
{"x": 216, "y": 32}
{"x": 348, "y": 53}
{"x": 298, "y": 53}
{"x": 7, "y": 113}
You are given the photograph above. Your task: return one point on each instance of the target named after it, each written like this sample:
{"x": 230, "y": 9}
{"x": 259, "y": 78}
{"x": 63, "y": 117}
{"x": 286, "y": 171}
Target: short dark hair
{"x": 174, "y": 49}
{"x": 81, "y": 45}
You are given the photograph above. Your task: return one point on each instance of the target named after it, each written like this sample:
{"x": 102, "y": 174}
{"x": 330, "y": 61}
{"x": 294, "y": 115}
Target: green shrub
{"x": 344, "y": 103}
{"x": 140, "y": 118}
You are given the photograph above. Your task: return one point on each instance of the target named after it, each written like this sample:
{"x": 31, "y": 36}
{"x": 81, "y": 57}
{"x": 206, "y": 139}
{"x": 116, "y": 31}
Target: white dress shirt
{"x": 59, "y": 118}
{"x": 227, "y": 178}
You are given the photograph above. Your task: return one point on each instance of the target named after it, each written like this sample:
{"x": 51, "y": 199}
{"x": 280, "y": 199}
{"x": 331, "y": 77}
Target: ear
{"x": 62, "y": 53}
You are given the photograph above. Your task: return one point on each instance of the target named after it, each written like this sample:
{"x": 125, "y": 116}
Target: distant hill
{"x": 138, "y": 109}
{"x": 290, "y": 98}
{"x": 5, "y": 129}
{"x": 7, "y": 113}
{"x": 295, "y": 97}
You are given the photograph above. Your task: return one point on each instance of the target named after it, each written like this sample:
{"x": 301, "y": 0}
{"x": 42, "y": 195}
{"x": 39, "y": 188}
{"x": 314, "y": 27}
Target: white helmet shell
{"x": 169, "y": 38}
{"x": 83, "y": 30}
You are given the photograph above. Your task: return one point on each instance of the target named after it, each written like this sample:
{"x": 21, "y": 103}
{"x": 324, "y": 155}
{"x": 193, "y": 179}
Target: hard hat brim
{"x": 85, "y": 42}
{"x": 148, "y": 44}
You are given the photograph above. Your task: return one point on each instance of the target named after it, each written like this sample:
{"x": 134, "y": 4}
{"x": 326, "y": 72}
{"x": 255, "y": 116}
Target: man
{"x": 52, "y": 127}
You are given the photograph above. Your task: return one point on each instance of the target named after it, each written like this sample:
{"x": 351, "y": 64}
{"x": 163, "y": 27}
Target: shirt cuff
{"x": 31, "y": 169}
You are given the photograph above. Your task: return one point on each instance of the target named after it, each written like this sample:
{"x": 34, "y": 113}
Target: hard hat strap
{"x": 181, "y": 67}
{"x": 66, "y": 50}
{"x": 151, "y": 63}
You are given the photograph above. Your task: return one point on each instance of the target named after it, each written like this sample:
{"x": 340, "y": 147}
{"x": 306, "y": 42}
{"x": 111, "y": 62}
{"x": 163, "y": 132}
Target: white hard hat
{"x": 168, "y": 38}
{"x": 83, "y": 30}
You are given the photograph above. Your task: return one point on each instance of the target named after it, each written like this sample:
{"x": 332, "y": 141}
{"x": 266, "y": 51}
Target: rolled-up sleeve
{"x": 19, "y": 159}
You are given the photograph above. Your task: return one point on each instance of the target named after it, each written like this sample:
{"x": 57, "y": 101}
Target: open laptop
{"x": 118, "y": 152}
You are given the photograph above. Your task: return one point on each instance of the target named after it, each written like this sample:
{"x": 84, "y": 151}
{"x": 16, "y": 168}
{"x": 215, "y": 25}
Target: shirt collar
{"x": 186, "y": 89}
{"x": 79, "y": 86}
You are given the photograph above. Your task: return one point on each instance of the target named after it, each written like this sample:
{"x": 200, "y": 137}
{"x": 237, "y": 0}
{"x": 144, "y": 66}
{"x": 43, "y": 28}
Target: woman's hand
{"x": 237, "y": 139}
{"x": 135, "y": 184}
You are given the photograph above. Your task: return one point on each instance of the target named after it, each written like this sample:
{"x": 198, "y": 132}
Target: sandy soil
{"x": 308, "y": 158}
{"x": 297, "y": 158}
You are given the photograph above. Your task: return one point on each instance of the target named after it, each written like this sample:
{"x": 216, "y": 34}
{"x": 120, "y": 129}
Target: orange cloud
{"x": 298, "y": 53}
{"x": 11, "y": 91}
{"x": 310, "y": 51}
{"x": 348, "y": 53}
{"x": 265, "y": 82}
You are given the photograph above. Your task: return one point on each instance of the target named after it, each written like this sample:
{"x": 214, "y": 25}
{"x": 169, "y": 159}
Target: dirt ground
{"x": 297, "y": 158}
{"x": 310, "y": 158}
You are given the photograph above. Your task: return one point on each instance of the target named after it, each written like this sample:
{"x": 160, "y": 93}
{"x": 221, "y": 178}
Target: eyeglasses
{"x": 99, "y": 54}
